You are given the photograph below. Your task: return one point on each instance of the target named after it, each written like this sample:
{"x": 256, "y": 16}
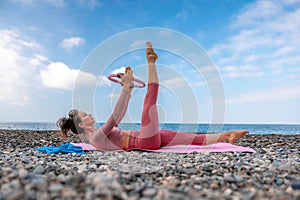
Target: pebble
{"x": 22, "y": 173}
{"x": 232, "y": 178}
{"x": 214, "y": 186}
{"x": 227, "y": 192}
{"x": 39, "y": 170}
{"x": 56, "y": 187}
{"x": 271, "y": 173}
{"x": 296, "y": 185}
{"x": 149, "y": 192}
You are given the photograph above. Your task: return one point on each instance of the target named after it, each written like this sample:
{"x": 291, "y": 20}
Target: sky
{"x": 251, "y": 46}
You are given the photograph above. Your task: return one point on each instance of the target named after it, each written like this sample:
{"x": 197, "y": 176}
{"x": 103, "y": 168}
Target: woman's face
{"x": 86, "y": 119}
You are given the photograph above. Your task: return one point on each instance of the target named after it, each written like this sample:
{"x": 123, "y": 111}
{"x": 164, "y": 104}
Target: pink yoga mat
{"x": 218, "y": 147}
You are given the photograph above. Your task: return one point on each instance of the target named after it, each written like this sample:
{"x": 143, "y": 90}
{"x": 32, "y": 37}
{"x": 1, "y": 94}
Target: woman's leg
{"x": 170, "y": 138}
{"x": 149, "y": 137}
{"x": 229, "y": 136}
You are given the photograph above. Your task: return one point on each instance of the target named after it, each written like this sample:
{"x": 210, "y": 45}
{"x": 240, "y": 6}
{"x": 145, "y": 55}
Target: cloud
{"x": 294, "y": 73}
{"x": 119, "y": 70}
{"x": 283, "y": 51}
{"x": 165, "y": 33}
{"x": 17, "y": 71}
{"x": 23, "y": 68}
{"x": 183, "y": 14}
{"x": 23, "y": 2}
{"x": 138, "y": 44}
{"x": 93, "y": 3}
{"x": 177, "y": 82}
{"x": 59, "y": 75}
{"x": 266, "y": 35}
{"x": 56, "y": 3}
{"x": 187, "y": 10}
{"x": 103, "y": 80}
{"x": 90, "y": 3}
{"x": 38, "y": 60}
{"x": 274, "y": 94}
{"x": 71, "y": 42}
{"x": 241, "y": 71}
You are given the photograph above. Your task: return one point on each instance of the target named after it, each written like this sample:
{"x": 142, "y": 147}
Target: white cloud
{"x": 93, "y": 3}
{"x": 18, "y": 72}
{"x": 57, "y": 3}
{"x": 275, "y": 94}
{"x": 291, "y": 1}
{"x": 24, "y": 2}
{"x": 119, "y": 70}
{"x": 38, "y": 60}
{"x": 165, "y": 33}
{"x": 183, "y": 14}
{"x": 283, "y": 51}
{"x": 71, "y": 42}
{"x": 241, "y": 71}
{"x": 90, "y": 3}
{"x": 187, "y": 9}
{"x": 251, "y": 58}
{"x": 20, "y": 75}
{"x": 260, "y": 10}
{"x": 103, "y": 80}
{"x": 138, "y": 44}
{"x": 266, "y": 34}
{"x": 59, "y": 75}
{"x": 177, "y": 82}
{"x": 12, "y": 39}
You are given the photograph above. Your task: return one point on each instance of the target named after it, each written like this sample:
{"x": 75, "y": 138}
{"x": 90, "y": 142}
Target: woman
{"x": 110, "y": 137}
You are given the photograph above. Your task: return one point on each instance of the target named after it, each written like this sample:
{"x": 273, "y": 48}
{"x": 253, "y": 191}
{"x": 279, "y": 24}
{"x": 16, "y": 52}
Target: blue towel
{"x": 64, "y": 148}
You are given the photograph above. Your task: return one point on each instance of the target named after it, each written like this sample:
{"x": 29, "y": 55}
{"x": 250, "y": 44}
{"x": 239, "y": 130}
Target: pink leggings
{"x": 150, "y": 136}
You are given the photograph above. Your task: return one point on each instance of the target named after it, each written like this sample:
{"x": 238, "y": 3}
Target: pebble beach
{"x": 273, "y": 172}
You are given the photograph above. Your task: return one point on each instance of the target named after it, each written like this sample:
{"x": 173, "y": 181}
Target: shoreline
{"x": 284, "y": 129}
{"x": 57, "y": 130}
{"x": 270, "y": 173}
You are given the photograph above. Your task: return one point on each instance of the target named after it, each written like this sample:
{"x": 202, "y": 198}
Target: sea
{"x": 284, "y": 129}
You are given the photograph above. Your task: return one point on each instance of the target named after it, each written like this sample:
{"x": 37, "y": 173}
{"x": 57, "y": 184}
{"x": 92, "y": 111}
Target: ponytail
{"x": 69, "y": 124}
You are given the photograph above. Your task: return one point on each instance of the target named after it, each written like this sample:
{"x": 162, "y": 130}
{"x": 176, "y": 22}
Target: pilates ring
{"x": 112, "y": 77}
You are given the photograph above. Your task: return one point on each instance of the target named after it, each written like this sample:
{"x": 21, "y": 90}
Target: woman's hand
{"x": 127, "y": 79}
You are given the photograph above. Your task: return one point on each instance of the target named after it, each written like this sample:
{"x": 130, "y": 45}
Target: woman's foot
{"x": 150, "y": 53}
{"x": 232, "y": 136}
{"x": 151, "y": 57}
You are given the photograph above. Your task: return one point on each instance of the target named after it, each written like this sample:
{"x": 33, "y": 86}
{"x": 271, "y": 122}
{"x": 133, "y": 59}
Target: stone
{"x": 227, "y": 192}
{"x": 56, "y": 187}
{"x": 99, "y": 175}
{"x": 22, "y": 173}
{"x": 149, "y": 192}
{"x": 296, "y": 185}
{"x": 39, "y": 169}
{"x": 214, "y": 186}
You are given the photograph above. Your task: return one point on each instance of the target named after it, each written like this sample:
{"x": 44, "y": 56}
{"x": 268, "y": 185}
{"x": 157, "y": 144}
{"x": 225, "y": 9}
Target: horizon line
{"x": 236, "y": 123}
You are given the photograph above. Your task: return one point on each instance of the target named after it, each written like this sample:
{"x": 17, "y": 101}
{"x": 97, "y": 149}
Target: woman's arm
{"x": 122, "y": 103}
{"x": 118, "y": 112}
